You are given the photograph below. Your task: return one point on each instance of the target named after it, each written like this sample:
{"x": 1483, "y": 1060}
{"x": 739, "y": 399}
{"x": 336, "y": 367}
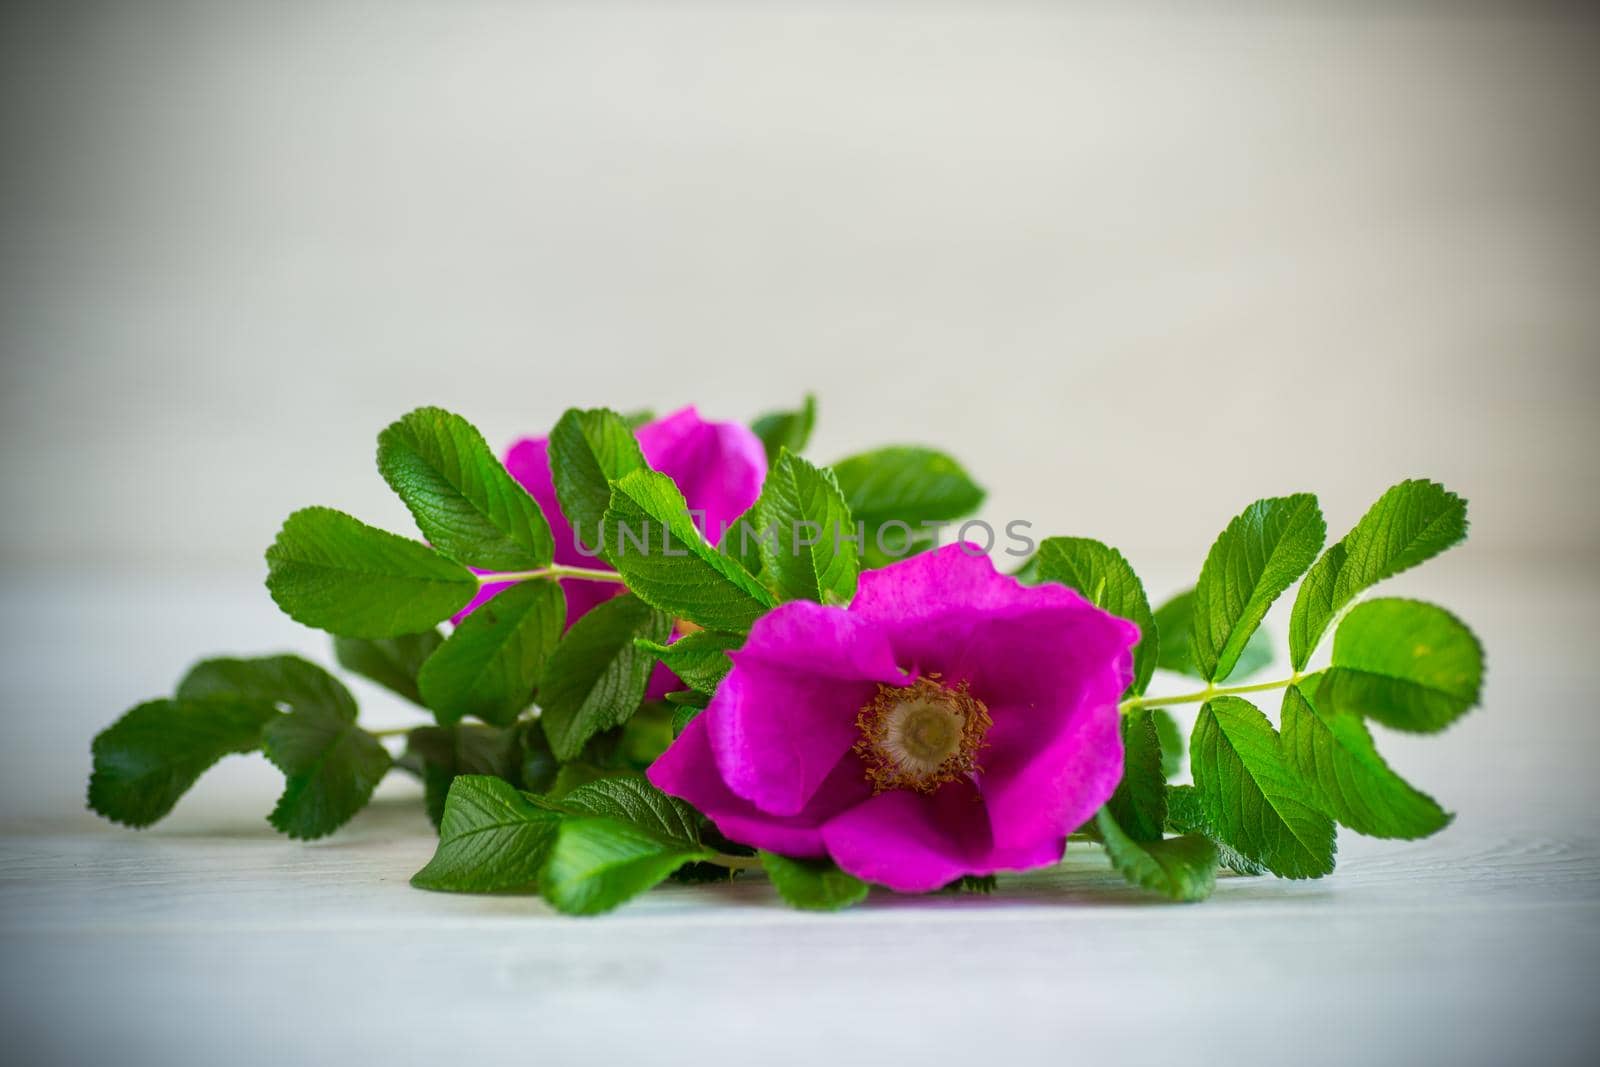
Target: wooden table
{"x": 210, "y": 939}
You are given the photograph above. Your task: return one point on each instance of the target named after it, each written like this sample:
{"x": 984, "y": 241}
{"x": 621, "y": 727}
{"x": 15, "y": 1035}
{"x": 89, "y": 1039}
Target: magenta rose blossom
{"x": 719, "y": 466}
{"x": 952, "y": 721}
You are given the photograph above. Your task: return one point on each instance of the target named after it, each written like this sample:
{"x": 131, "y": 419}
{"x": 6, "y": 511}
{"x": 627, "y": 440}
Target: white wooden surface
{"x": 210, "y": 939}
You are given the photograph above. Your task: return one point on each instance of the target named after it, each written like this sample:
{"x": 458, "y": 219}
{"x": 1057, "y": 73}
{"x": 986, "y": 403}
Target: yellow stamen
{"x": 921, "y": 736}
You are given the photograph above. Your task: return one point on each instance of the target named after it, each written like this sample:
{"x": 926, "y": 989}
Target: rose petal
{"x": 954, "y": 579}
{"x": 719, "y": 466}
{"x": 912, "y": 842}
{"x": 953, "y": 613}
{"x": 1049, "y": 665}
{"x": 1045, "y": 793}
{"x": 529, "y": 463}
{"x": 688, "y": 770}
{"x": 916, "y": 843}
{"x": 485, "y": 594}
{"x": 786, "y": 714}
{"x": 528, "y": 460}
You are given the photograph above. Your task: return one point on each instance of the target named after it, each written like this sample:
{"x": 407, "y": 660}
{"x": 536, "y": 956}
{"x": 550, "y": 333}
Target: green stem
{"x": 392, "y": 731}
{"x": 555, "y": 570}
{"x": 738, "y": 863}
{"x": 1199, "y": 697}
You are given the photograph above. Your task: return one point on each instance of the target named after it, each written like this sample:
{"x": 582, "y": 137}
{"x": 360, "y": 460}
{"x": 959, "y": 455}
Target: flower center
{"x": 920, "y": 736}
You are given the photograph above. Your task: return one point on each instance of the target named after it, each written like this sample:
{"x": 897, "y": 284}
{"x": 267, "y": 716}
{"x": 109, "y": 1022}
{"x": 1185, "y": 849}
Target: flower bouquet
{"x": 678, "y": 649}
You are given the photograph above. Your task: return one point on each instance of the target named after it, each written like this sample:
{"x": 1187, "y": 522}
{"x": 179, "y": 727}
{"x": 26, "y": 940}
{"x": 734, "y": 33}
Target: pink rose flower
{"x": 719, "y": 466}
{"x": 951, "y": 721}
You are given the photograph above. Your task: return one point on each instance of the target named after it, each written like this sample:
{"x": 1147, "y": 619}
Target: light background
{"x": 1135, "y": 264}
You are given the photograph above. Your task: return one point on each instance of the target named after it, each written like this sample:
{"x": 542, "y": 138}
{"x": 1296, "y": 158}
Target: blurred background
{"x": 1136, "y": 264}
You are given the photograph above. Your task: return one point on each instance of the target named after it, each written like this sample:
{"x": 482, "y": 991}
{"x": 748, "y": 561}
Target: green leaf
{"x": 1173, "y": 748}
{"x": 150, "y": 757}
{"x": 1412, "y": 522}
{"x": 741, "y": 541}
{"x": 812, "y": 885}
{"x": 392, "y": 662}
{"x": 330, "y": 764}
{"x": 906, "y": 483}
{"x": 682, "y": 716}
{"x": 596, "y": 676}
{"x": 1179, "y": 868}
{"x": 1250, "y": 795}
{"x": 588, "y": 451}
{"x": 1175, "y": 623}
{"x": 600, "y": 862}
{"x": 786, "y": 429}
{"x": 490, "y": 664}
{"x": 492, "y": 839}
{"x": 618, "y": 837}
{"x": 700, "y": 658}
{"x": 803, "y": 504}
{"x": 338, "y": 574}
{"x": 1412, "y": 666}
{"x": 703, "y": 873}
{"x": 1140, "y": 802}
{"x": 903, "y": 485}
{"x": 579, "y": 773}
{"x": 286, "y": 682}
{"x": 646, "y": 736}
{"x": 635, "y": 801}
{"x": 1106, "y": 580}
{"x": 971, "y": 883}
{"x": 446, "y": 752}
{"x": 1334, "y": 756}
{"x": 676, "y": 570}
{"x": 464, "y": 500}
{"x": 1184, "y": 816}
{"x": 1263, "y": 550}
{"x": 540, "y": 768}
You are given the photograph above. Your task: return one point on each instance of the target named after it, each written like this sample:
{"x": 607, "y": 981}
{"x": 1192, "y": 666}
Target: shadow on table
{"x": 1082, "y": 880}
